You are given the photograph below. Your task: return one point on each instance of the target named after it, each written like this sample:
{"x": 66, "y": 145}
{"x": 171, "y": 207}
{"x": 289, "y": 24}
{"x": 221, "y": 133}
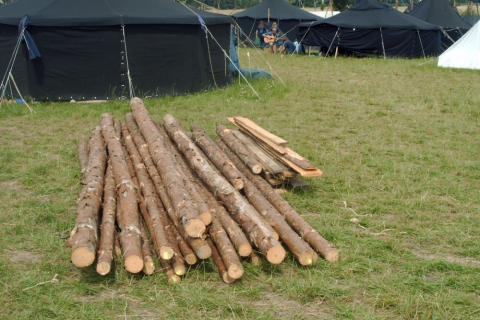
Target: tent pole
{"x": 336, "y": 52}
{"x": 396, "y": 4}
{"x": 383, "y": 45}
{"x": 268, "y": 15}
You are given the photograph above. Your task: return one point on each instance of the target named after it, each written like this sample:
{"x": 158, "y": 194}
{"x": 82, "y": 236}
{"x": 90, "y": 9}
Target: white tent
{"x": 465, "y": 53}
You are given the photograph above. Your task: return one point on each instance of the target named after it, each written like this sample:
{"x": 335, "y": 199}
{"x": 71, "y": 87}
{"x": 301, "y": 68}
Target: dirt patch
{"x": 24, "y": 257}
{"x": 464, "y": 261}
{"x": 14, "y": 185}
{"x": 284, "y": 308}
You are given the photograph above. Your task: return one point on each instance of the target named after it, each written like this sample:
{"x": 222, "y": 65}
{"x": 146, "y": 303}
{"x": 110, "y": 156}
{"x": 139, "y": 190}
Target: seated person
{"x": 287, "y": 47}
{"x": 272, "y": 38}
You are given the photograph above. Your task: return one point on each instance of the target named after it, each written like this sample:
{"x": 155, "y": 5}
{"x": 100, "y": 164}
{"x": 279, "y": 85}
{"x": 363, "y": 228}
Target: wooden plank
{"x": 255, "y": 127}
{"x": 257, "y": 137}
{"x": 298, "y": 160}
{"x": 270, "y": 164}
{"x": 302, "y": 172}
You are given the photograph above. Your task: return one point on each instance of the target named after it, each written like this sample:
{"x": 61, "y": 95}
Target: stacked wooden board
{"x": 277, "y": 159}
{"x": 154, "y": 188}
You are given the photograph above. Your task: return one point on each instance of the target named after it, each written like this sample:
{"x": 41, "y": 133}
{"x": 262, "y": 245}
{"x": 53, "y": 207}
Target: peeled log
{"x": 130, "y": 235}
{"x": 240, "y": 209}
{"x": 217, "y": 260}
{"x": 83, "y": 156}
{"x": 85, "y": 233}
{"x": 187, "y": 252}
{"x": 150, "y": 197}
{"x": 179, "y": 196}
{"x": 247, "y": 157}
{"x": 148, "y": 265}
{"x": 226, "y": 250}
{"x": 107, "y": 228}
{"x": 234, "y": 232}
{"x": 300, "y": 249}
{"x": 190, "y": 182}
{"x": 310, "y": 235}
{"x": 217, "y": 157}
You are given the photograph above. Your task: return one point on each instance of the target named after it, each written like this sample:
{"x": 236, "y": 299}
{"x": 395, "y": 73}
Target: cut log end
{"x": 190, "y": 259}
{"x": 238, "y": 184}
{"x": 204, "y": 252}
{"x": 149, "y": 266}
{"x": 226, "y": 278}
{"x": 134, "y": 264}
{"x": 275, "y": 255}
{"x": 195, "y": 227}
{"x": 174, "y": 279}
{"x": 332, "y": 256}
{"x": 235, "y": 271}
{"x": 206, "y": 217}
{"x": 83, "y": 257}
{"x": 103, "y": 268}
{"x": 180, "y": 269}
{"x": 306, "y": 258}
{"x": 166, "y": 252}
{"x": 256, "y": 259}
{"x": 256, "y": 169}
{"x": 244, "y": 250}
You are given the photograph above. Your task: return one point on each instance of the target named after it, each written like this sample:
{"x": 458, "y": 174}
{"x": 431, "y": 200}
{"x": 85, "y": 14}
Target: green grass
{"x": 399, "y": 145}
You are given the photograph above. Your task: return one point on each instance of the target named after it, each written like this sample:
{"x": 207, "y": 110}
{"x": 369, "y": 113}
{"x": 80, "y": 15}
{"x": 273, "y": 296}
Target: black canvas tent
{"x": 372, "y": 27}
{"x": 441, "y": 13}
{"x": 471, "y": 19}
{"x": 286, "y": 15}
{"x": 89, "y": 48}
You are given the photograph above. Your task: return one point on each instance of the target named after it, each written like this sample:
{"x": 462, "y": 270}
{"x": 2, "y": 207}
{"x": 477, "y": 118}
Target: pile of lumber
{"x": 156, "y": 194}
{"x": 279, "y": 163}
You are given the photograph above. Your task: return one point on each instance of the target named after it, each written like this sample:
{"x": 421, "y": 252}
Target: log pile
{"x": 158, "y": 196}
{"x": 279, "y": 163}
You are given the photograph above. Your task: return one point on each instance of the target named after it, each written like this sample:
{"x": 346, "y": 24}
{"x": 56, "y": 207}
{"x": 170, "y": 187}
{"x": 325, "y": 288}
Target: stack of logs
{"x": 191, "y": 197}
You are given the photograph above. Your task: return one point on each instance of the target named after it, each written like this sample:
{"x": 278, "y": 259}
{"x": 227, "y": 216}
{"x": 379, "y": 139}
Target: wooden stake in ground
{"x": 184, "y": 206}
{"x": 217, "y": 157}
{"x": 300, "y": 249}
{"x": 310, "y": 235}
{"x": 150, "y": 197}
{"x": 130, "y": 236}
{"x": 245, "y": 215}
{"x": 247, "y": 157}
{"x": 226, "y": 250}
{"x": 84, "y": 235}
{"x": 217, "y": 260}
{"x": 107, "y": 228}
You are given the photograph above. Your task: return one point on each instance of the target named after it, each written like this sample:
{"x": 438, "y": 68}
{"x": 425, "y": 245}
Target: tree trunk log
{"x": 179, "y": 196}
{"x": 130, "y": 235}
{"x": 107, "y": 228}
{"x": 150, "y": 197}
{"x": 248, "y": 158}
{"x": 84, "y": 235}
{"x": 190, "y": 181}
{"x": 300, "y": 249}
{"x": 217, "y": 157}
{"x": 310, "y": 235}
{"x": 240, "y": 209}
{"x": 217, "y": 260}
{"x": 148, "y": 265}
{"x": 187, "y": 252}
{"x": 83, "y": 156}
{"x": 256, "y": 259}
{"x": 172, "y": 278}
{"x": 226, "y": 250}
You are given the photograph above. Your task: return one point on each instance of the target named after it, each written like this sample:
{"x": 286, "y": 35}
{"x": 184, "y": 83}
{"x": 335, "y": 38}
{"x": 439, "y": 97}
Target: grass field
{"x": 399, "y": 144}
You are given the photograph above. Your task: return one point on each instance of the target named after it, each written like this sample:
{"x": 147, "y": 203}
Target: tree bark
{"x": 217, "y": 157}
{"x": 150, "y": 197}
{"x": 84, "y": 235}
{"x": 310, "y": 235}
{"x": 240, "y": 209}
{"x": 148, "y": 265}
{"x": 130, "y": 235}
{"x": 247, "y": 157}
{"x": 217, "y": 260}
{"x": 107, "y": 228}
{"x": 180, "y": 198}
